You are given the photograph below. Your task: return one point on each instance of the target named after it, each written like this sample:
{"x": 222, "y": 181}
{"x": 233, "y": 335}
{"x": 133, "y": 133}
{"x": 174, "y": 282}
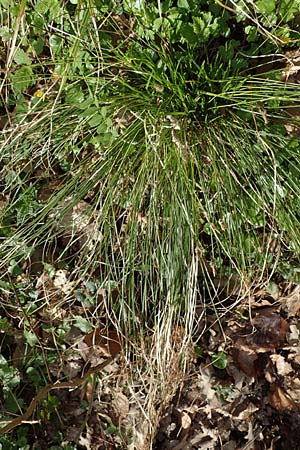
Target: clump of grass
{"x": 157, "y": 173}
{"x": 171, "y": 161}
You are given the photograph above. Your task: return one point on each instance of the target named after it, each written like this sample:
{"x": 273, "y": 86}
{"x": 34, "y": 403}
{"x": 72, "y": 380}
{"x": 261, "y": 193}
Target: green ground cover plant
{"x": 149, "y": 155}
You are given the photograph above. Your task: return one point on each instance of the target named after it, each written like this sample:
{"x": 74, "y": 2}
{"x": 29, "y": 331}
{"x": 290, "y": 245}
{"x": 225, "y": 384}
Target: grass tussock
{"x": 155, "y": 171}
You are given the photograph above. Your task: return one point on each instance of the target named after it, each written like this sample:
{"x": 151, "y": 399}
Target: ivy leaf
{"x": 9, "y": 376}
{"x": 55, "y": 43}
{"x": 83, "y": 324}
{"x": 111, "y": 429}
{"x": 30, "y": 338}
{"x": 219, "y": 360}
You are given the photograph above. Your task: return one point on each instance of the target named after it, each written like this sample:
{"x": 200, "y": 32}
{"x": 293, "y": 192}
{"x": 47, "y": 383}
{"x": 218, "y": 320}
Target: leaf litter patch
{"x": 243, "y": 391}
{"x": 66, "y": 404}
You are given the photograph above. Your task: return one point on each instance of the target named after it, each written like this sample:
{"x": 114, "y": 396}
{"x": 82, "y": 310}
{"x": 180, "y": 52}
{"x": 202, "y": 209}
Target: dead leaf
{"x": 283, "y": 368}
{"x": 107, "y": 341}
{"x": 293, "y": 390}
{"x": 244, "y": 410}
{"x": 113, "y": 342}
{"x": 245, "y": 358}
{"x": 279, "y": 400}
{"x": 293, "y": 335}
{"x": 61, "y": 281}
{"x": 271, "y": 329}
{"x": 86, "y": 439}
{"x": 120, "y": 404}
{"x": 295, "y": 355}
{"x": 20, "y": 349}
{"x": 205, "y": 385}
{"x": 89, "y": 391}
{"x": 185, "y": 420}
{"x": 292, "y": 302}
{"x": 270, "y": 378}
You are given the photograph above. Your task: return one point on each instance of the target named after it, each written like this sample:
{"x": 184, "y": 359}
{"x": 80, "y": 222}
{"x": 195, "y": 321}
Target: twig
{"x": 76, "y": 382}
